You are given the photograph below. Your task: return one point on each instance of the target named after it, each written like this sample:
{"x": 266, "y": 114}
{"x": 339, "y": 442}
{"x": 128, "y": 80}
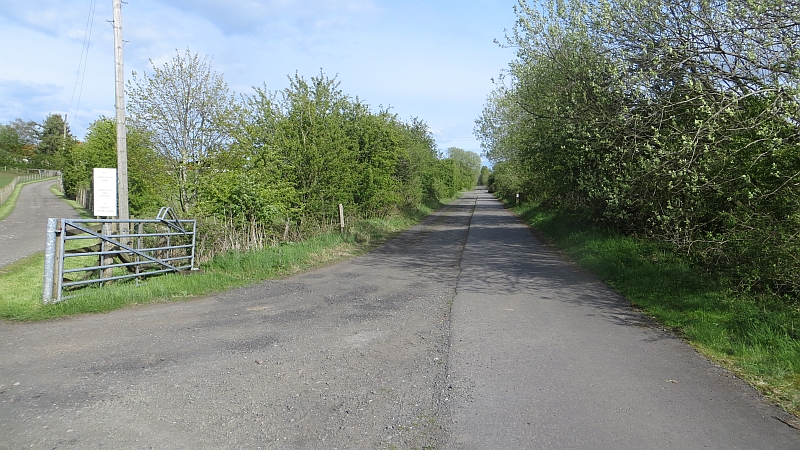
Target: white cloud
{"x": 249, "y": 17}
{"x": 23, "y": 96}
{"x": 52, "y": 17}
{"x": 427, "y": 59}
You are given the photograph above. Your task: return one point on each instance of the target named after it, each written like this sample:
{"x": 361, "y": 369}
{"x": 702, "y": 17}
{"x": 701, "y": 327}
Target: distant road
{"x": 22, "y": 233}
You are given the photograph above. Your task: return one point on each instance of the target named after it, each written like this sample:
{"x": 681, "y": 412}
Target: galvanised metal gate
{"x": 82, "y": 252}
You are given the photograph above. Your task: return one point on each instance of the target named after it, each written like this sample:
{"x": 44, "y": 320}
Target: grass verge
{"x": 8, "y": 207}
{"x": 755, "y": 336}
{"x": 83, "y": 212}
{"x": 7, "y": 177}
{"x": 21, "y": 282}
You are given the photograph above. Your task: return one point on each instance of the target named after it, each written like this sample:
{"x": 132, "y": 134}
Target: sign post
{"x": 105, "y": 204}
{"x": 105, "y": 192}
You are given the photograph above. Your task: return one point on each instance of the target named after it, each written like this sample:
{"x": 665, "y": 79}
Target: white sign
{"x": 105, "y": 192}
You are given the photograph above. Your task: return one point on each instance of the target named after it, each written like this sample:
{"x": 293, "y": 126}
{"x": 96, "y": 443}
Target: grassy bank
{"x": 21, "y": 298}
{"x": 21, "y": 282}
{"x": 7, "y": 177}
{"x": 754, "y": 335}
{"x": 83, "y": 212}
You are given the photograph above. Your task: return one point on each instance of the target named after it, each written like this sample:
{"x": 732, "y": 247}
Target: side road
{"x": 23, "y": 232}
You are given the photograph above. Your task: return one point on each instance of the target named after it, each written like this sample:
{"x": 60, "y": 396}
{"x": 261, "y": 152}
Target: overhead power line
{"x": 82, "y": 62}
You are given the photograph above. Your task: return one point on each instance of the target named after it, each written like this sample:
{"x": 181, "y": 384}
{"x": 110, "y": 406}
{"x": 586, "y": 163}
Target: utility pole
{"x": 122, "y": 142}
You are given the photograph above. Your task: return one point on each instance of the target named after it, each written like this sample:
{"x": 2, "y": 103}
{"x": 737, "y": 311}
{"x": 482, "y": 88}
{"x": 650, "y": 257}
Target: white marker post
{"x": 341, "y": 218}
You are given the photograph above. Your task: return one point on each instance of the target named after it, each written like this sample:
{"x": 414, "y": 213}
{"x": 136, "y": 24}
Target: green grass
{"x": 21, "y": 283}
{"x": 755, "y": 336}
{"x": 83, "y": 212}
{"x": 8, "y": 207}
{"x": 7, "y": 177}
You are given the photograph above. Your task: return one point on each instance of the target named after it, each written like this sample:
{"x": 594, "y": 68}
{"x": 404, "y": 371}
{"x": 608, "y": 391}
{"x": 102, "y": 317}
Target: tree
{"x": 243, "y": 189}
{"x": 51, "y": 140}
{"x": 332, "y": 148}
{"x": 186, "y": 107}
{"x": 468, "y": 167}
{"x": 54, "y": 139}
{"x": 314, "y": 142}
{"x": 146, "y": 171}
{"x": 483, "y": 178}
{"x": 416, "y": 165}
{"x": 18, "y": 142}
{"x": 10, "y": 147}
{"x": 674, "y": 120}
{"x": 505, "y": 180}
{"x": 29, "y": 132}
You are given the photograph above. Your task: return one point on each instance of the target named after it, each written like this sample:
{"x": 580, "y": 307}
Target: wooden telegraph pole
{"x": 122, "y": 143}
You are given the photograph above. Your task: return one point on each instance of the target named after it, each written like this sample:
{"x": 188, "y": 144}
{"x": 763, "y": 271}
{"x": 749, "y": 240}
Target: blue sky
{"x": 429, "y": 59}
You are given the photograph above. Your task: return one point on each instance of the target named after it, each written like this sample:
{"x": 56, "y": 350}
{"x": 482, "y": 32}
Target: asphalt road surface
{"x": 22, "y": 233}
{"x": 463, "y": 333}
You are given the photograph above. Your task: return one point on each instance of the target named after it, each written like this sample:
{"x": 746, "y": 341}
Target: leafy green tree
{"x": 678, "y": 121}
{"x": 29, "y": 132}
{"x": 55, "y": 137}
{"x": 10, "y": 147}
{"x": 52, "y": 135}
{"x": 243, "y": 187}
{"x": 506, "y": 181}
{"x": 290, "y": 157}
{"x": 333, "y": 149}
{"x": 18, "y": 142}
{"x": 483, "y": 178}
{"x": 312, "y": 136}
{"x": 147, "y": 171}
{"x": 416, "y": 167}
{"x": 468, "y": 167}
{"x": 187, "y": 109}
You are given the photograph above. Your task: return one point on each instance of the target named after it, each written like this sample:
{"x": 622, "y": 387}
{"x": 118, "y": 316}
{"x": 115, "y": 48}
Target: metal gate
{"x": 82, "y": 252}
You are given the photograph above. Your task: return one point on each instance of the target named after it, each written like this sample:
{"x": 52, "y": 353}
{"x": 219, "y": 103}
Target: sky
{"x": 431, "y": 59}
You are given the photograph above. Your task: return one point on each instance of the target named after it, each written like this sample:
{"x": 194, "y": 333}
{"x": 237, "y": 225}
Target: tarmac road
{"x": 22, "y": 233}
{"x": 463, "y": 333}
{"x": 550, "y": 358}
